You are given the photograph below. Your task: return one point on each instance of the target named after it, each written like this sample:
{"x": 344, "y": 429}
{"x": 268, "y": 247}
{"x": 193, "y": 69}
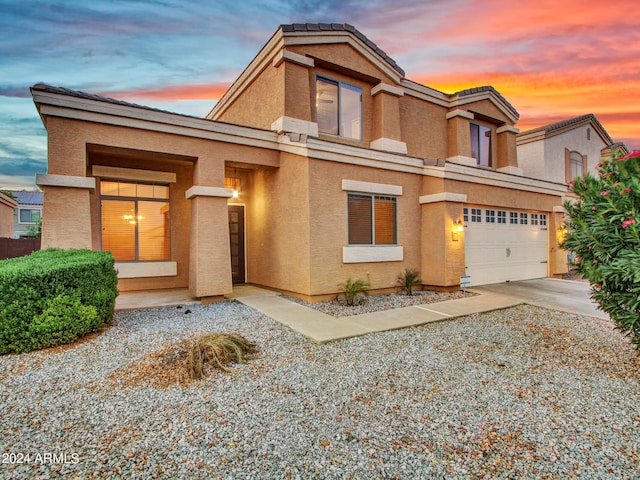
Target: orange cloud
{"x": 170, "y": 93}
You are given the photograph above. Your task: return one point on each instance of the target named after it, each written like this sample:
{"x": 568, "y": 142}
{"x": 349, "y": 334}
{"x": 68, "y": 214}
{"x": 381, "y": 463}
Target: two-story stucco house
{"x": 321, "y": 162}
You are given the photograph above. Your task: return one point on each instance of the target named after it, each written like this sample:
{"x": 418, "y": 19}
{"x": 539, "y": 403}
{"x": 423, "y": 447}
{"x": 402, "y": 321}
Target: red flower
{"x": 635, "y": 153}
{"x": 626, "y": 223}
{"x": 604, "y": 192}
{"x": 594, "y": 209}
{"x": 626, "y": 190}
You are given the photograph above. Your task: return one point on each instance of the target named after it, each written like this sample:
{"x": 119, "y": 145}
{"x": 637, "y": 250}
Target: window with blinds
{"x": 135, "y": 221}
{"x": 371, "y": 219}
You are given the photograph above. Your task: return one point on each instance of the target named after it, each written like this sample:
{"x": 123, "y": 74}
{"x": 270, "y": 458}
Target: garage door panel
{"x": 499, "y": 252}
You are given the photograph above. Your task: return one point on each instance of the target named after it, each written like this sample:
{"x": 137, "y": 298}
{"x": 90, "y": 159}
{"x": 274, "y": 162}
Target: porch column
{"x": 507, "y": 158}
{"x": 386, "y": 112}
{"x": 442, "y": 245}
{"x": 66, "y": 215}
{"x": 209, "y": 256}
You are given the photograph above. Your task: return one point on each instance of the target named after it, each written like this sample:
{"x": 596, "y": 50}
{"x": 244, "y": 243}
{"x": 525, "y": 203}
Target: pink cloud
{"x": 205, "y": 91}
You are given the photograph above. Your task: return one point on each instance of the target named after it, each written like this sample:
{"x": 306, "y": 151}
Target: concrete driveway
{"x": 563, "y": 295}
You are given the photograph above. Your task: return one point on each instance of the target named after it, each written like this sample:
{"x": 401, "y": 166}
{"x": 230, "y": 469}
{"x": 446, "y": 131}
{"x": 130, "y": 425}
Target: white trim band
{"x": 288, "y": 56}
{"x": 443, "y": 197}
{"x": 202, "y": 191}
{"x": 372, "y": 254}
{"x": 389, "y": 145}
{"x": 294, "y": 125}
{"x": 368, "y": 187}
{"x": 386, "y": 88}
{"x": 69, "y": 181}
{"x": 146, "y": 269}
{"x": 458, "y": 112}
{"x": 508, "y": 128}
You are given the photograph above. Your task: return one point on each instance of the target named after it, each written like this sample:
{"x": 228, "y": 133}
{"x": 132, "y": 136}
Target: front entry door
{"x": 236, "y": 240}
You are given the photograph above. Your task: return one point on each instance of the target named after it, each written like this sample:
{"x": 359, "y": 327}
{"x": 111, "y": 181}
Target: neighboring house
{"x": 28, "y": 213}
{"x": 562, "y": 151}
{"x": 7, "y": 206}
{"x": 320, "y": 163}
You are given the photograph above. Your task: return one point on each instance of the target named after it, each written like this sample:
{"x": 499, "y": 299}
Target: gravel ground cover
{"x": 375, "y": 303}
{"x": 518, "y": 393}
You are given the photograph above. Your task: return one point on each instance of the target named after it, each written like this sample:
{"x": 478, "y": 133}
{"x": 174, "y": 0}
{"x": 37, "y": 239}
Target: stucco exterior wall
{"x": 7, "y": 206}
{"x": 531, "y": 160}
{"x": 424, "y": 127}
{"x": 573, "y": 140}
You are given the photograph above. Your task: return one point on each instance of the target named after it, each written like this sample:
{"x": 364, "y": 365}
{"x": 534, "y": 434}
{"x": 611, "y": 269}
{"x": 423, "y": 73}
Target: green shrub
{"x": 351, "y": 289}
{"x": 54, "y": 296}
{"x": 602, "y": 232}
{"x": 407, "y": 280}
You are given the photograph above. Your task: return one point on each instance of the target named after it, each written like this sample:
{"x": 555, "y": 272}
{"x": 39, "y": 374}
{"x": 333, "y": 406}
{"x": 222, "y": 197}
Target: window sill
{"x": 373, "y": 253}
{"x": 146, "y": 269}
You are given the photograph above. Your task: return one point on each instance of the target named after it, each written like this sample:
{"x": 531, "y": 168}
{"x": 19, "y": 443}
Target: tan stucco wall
{"x": 262, "y": 103}
{"x": 278, "y": 226}
{"x": 329, "y": 226}
{"x": 6, "y": 221}
{"x": 424, "y": 127}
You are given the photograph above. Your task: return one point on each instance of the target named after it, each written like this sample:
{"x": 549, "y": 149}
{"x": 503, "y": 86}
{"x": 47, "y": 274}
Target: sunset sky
{"x": 552, "y": 60}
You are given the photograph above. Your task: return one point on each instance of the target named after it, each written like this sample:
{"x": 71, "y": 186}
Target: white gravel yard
{"x": 519, "y": 393}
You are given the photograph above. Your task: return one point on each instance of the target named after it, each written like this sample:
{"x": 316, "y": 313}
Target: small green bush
{"x": 407, "y": 280}
{"x": 53, "y": 297}
{"x": 351, "y": 289}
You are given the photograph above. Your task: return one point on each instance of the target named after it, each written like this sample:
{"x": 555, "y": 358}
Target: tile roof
{"x": 341, "y": 27}
{"x": 488, "y": 88}
{"x": 574, "y": 121}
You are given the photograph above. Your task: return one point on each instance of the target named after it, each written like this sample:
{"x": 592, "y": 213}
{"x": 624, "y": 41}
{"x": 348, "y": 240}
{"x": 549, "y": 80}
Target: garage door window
{"x": 513, "y": 218}
{"x": 524, "y": 218}
{"x": 476, "y": 215}
{"x": 490, "y": 216}
{"x": 502, "y": 216}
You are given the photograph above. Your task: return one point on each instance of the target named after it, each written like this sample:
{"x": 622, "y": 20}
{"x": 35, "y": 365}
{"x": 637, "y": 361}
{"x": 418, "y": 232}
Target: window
{"x": 371, "y": 219}
{"x": 339, "y": 108}
{"x": 543, "y": 219}
{"x": 465, "y": 214}
{"x": 481, "y": 144}
{"x": 524, "y": 218}
{"x": 490, "y": 216}
{"x": 576, "y": 167}
{"x": 135, "y": 220}
{"x": 28, "y": 215}
{"x": 534, "y": 219}
{"x": 476, "y": 215}
{"x": 502, "y": 216}
{"x": 513, "y": 218}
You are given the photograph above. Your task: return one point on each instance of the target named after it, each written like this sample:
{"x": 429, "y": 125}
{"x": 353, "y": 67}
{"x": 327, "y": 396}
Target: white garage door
{"x": 503, "y": 245}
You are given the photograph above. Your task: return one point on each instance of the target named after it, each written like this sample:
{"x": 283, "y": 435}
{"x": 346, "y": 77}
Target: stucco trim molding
{"x": 368, "y": 187}
{"x": 68, "y": 181}
{"x": 508, "y": 128}
{"x": 386, "y": 88}
{"x": 443, "y": 197}
{"x": 146, "y": 269}
{"x": 293, "y": 125}
{"x": 462, "y": 160}
{"x": 288, "y": 56}
{"x": 202, "y": 191}
{"x": 559, "y": 209}
{"x": 372, "y": 254}
{"x": 458, "y": 112}
{"x": 133, "y": 174}
{"x": 512, "y": 170}
{"x": 389, "y": 145}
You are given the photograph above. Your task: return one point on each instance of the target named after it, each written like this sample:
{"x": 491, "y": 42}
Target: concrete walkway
{"x": 321, "y": 327}
{"x": 550, "y": 293}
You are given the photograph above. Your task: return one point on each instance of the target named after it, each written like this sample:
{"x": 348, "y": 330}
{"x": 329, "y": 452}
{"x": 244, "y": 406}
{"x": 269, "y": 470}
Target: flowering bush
{"x": 602, "y": 233}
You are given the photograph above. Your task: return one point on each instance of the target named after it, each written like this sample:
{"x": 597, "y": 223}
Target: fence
{"x": 11, "y": 247}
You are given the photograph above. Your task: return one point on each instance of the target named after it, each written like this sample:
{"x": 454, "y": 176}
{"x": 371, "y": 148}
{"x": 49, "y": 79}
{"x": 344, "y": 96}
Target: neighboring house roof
{"x": 6, "y": 200}
{"x": 29, "y": 197}
{"x": 563, "y": 126}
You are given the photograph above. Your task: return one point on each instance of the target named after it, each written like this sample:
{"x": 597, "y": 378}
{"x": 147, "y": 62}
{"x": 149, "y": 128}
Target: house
{"x": 562, "y": 151}
{"x": 7, "y": 206}
{"x": 28, "y": 213}
{"x": 321, "y": 162}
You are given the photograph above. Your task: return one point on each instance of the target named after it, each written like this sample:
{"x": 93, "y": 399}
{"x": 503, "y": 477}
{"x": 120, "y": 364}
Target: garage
{"x": 504, "y": 245}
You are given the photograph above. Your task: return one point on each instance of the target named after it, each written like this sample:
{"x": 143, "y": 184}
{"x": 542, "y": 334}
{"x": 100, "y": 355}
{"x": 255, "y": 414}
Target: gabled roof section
{"x": 342, "y": 27}
{"x": 564, "y": 126}
{"x": 484, "y": 90}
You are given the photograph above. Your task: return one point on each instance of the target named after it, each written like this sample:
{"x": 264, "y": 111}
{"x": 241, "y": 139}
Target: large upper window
{"x": 339, "y": 108}
{"x": 481, "y": 144}
{"x": 372, "y": 219}
{"x": 135, "y": 220}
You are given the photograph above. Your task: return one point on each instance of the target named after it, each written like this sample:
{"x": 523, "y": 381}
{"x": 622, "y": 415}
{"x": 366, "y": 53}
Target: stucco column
{"x": 209, "y": 256}
{"x": 66, "y": 214}
{"x": 459, "y": 138}
{"x": 558, "y": 261}
{"x": 442, "y": 246}
{"x": 386, "y": 112}
{"x": 507, "y": 158}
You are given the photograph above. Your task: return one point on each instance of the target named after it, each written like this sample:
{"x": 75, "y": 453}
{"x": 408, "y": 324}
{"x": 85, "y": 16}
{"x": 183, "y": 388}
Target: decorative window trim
{"x": 368, "y": 187}
{"x": 372, "y": 253}
{"x": 146, "y": 269}
{"x": 133, "y": 174}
